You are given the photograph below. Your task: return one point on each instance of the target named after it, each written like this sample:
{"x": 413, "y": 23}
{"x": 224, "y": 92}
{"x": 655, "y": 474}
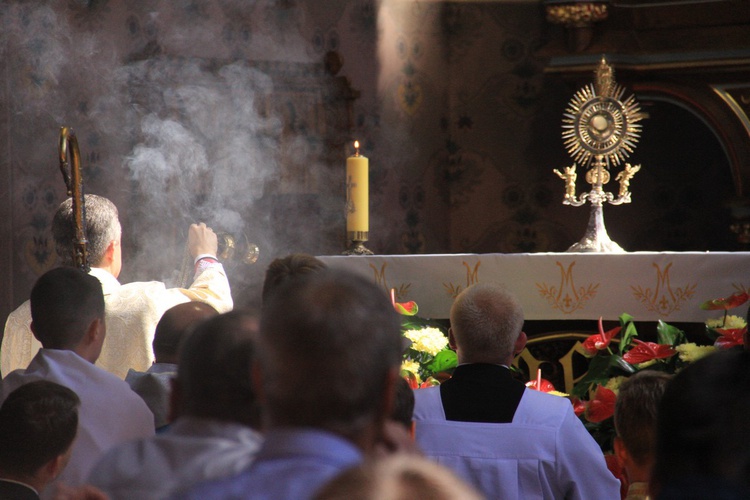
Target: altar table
{"x": 560, "y": 286}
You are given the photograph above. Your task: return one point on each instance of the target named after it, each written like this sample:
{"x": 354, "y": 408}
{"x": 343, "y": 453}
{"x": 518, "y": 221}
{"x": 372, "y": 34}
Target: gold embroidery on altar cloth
{"x": 567, "y": 297}
{"x": 663, "y": 299}
{"x": 402, "y": 290}
{"x": 472, "y": 276}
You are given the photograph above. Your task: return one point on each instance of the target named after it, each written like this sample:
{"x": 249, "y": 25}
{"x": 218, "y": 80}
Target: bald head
{"x": 486, "y": 322}
{"x": 174, "y": 324}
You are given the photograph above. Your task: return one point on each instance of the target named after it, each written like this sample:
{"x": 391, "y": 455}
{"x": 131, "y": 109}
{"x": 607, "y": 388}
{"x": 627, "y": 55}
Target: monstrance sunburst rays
{"x": 601, "y": 124}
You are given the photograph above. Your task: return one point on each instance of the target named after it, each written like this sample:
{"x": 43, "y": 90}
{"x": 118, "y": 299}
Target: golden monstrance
{"x": 600, "y": 130}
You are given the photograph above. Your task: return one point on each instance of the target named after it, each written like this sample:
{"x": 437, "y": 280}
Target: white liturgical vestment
{"x": 190, "y": 451}
{"x": 544, "y": 453}
{"x": 110, "y": 412}
{"x": 132, "y": 312}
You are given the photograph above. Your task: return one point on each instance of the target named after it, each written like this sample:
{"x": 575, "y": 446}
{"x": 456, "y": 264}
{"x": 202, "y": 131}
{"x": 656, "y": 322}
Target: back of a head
{"x": 398, "y": 477}
{"x": 38, "y": 422}
{"x": 403, "y": 409}
{"x": 486, "y": 320}
{"x": 703, "y": 424}
{"x": 214, "y": 369}
{"x": 64, "y": 302}
{"x": 174, "y": 324}
{"x": 289, "y": 268}
{"x": 636, "y": 412}
{"x": 327, "y": 346}
{"x": 102, "y": 226}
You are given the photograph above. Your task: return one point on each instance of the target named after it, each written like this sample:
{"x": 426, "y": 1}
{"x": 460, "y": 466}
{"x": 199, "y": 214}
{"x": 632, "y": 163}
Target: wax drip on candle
{"x": 356, "y": 148}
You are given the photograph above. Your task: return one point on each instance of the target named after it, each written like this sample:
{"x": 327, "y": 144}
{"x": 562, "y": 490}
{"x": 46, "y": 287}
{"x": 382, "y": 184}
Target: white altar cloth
{"x": 559, "y": 286}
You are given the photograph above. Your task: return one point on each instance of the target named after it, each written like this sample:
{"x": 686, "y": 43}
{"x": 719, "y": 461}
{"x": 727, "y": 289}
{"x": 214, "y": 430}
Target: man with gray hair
{"x": 133, "y": 309}
{"x": 329, "y": 354}
{"x": 510, "y": 442}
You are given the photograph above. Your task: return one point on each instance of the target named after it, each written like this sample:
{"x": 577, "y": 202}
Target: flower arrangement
{"x": 428, "y": 354}
{"x": 613, "y": 359}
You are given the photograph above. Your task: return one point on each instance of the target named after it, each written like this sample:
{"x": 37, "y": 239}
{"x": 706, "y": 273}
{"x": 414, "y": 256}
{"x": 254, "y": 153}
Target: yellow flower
{"x": 428, "y": 340}
{"x": 732, "y": 322}
{"x": 691, "y": 352}
{"x": 613, "y": 384}
{"x": 558, "y": 393}
{"x": 410, "y": 366}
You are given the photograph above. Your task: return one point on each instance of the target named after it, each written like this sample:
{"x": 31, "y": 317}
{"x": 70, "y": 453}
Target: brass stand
{"x": 357, "y": 247}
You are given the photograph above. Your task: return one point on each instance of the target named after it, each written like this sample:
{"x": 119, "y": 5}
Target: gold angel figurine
{"x": 624, "y": 177}
{"x": 570, "y": 180}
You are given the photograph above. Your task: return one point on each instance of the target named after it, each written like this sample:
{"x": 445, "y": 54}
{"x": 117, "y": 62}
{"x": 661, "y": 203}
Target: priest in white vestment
{"x": 67, "y": 308}
{"x": 132, "y": 309}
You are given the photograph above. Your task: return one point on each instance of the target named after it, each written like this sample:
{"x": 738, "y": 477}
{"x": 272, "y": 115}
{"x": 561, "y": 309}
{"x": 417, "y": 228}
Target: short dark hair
{"x": 403, "y": 409}
{"x": 636, "y": 410}
{"x": 703, "y": 425}
{"x": 327, "y": 343}
{"x": 214, "y": 369}
{"x": 38, "y": 422}
{"x": 102, "y": 227}
{"x": 174, "y": 324}
{"x": 288, "y": 268}
{"x": 64, "y": 302}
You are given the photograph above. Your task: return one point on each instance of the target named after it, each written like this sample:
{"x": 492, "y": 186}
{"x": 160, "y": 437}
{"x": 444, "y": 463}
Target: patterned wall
{"x": 221, "y": 110}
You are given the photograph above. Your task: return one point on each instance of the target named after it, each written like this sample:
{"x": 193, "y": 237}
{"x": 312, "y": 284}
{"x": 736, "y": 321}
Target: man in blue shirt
{"x": 328, "y": 358}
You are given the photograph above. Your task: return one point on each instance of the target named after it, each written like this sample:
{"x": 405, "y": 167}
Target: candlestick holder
{"x": 357, "y": 246}
{"x": 600, "y": 130}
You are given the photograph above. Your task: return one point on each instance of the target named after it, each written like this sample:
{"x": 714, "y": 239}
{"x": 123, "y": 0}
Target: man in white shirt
{"x": 133, "y": 309}
{"x": 213, "y": 435}
{"x": 508, "y": 441}
{"x": 67, "y": 309}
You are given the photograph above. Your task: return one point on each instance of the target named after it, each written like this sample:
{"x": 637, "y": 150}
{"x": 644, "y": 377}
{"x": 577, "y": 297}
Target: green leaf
{"x": 669, "y": 335}
{"x": 444, "y": 360}
{"x": 598, "y": 373}
{"x": 626, "y": 339}
{"x": 601, "y": 369}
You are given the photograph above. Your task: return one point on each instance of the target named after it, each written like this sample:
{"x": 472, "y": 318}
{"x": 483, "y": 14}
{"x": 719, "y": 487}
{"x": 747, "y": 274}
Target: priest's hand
{"x": 202, "y": 240}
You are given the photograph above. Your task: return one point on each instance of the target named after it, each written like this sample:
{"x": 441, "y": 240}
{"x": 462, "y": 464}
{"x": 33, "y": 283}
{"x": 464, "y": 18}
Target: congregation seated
{"x": 214, "y": 432}
{"x": 154, "y": 385}
{"x": 67, "y": 309}
{"x": 329, "y": 354}
{"x": 508, "y": 441}
{"x": 635, "y": 423}
{"x": 38, "y": 423}
{"x": 702, "y": 449}
{"x": 398, "y": 477}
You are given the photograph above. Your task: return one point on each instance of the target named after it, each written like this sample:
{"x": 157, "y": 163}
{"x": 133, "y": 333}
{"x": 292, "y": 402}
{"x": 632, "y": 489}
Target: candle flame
{"x": 356, "y": 144}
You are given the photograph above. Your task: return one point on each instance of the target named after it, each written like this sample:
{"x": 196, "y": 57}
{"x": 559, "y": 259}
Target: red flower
{"x": 404, "y": 308}
{"x": 545, "y": 386}
{"x": 646, "y": 351}
{"x": 723, "y": 304}
{"x": 601, "y": 340}
{"x": 579, "y": 407}
{"x": 730, "y": 337}
{"x": 602, "y": 406}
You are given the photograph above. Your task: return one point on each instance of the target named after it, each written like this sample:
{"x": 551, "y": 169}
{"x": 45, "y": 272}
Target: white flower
{"x": 427, "y": 340}
{"x": 410, "y": 366}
